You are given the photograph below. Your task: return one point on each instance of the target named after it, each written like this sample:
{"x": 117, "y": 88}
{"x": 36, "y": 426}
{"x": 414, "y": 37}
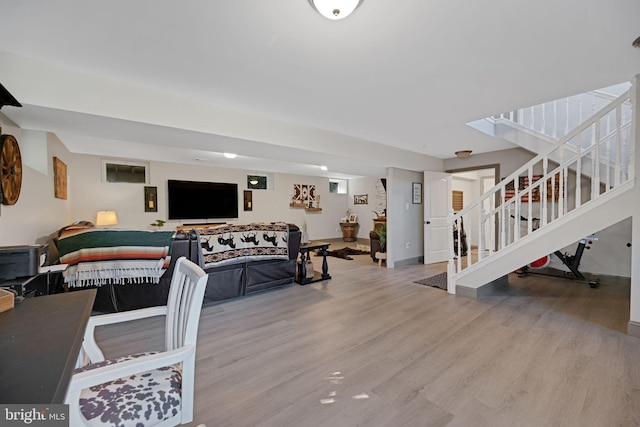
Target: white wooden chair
{"x": 150, "y": 389}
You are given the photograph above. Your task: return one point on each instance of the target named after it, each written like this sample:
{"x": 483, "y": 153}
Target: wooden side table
{"x": 305, "y": 255}
{"x": 348, "y": 231}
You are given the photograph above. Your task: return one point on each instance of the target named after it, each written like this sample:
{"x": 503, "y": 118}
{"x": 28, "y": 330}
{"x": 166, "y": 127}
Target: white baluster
{"x": 481, "y": 243}
{"x": 595, "y": 161}
{"x": 533, "y": 119}
{"x": 503, "y": 220}
{"x": 543, "y": 193}
{"x": 517, "y": 197}
{"x": 580, "y": 110}
{"x": 616, "y": 178}
{"x": 578, "y": 169}
{"x": 562, "y": 183}
{"x": 555, "y": 119}
{"x": 632, "y": 136}
{"x": 566, "y": 124}
{"x": 450, "y": 220}
{"x": 469, "y": 227}
{"x": 530, "y": 201}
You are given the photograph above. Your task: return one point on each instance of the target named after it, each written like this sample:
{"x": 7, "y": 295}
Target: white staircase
{"x": 575, "y": 186}
{"x": 535, "y": 127}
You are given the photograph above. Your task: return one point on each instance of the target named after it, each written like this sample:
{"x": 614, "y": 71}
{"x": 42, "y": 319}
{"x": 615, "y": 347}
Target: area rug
{"x": 344, "y": 253}
{"x": 438, "y": 281}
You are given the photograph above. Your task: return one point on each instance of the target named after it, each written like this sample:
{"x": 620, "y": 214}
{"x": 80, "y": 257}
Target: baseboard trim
{"x": 488, "y": 289}
{"x": 633, "y": 329}
{"x": 409, "y": 261}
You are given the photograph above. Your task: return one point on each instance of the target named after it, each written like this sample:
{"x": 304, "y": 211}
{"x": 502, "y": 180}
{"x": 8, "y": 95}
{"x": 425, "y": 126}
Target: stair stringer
{"x": 595, "y": 215}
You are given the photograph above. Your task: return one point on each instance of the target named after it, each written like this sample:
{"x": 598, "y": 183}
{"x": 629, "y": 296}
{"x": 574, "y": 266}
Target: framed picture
{"x": 353, "y": 218}
{"x": 417, "y": 192}
{"x": 59, "y": 179}
{"x": 151, "y": 199}
{"x": 361, "y": 199}
{"x": 248, "y": 200}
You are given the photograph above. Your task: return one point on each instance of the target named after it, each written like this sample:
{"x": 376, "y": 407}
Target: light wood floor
{"x": 371, "y": 348}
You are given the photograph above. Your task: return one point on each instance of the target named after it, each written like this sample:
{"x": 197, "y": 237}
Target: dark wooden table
{"x": 40, "y": 339}
{"x": 305, "y": 255}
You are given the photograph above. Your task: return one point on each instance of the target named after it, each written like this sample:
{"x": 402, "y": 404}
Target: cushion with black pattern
{"x": 146, "y": 398}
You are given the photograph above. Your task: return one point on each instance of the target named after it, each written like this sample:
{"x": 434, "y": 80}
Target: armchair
{"x": 155, "y": 388}
{"x": 374, "y": 244}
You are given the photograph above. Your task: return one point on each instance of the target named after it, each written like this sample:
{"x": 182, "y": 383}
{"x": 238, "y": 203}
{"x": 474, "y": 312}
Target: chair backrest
{"x": 184, "y": 303}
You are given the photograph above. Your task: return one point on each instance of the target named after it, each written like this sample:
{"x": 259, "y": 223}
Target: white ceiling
{"x": 275, "y": 82}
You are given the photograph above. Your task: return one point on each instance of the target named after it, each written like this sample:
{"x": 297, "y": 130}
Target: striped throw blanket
{"x": 234, "y": 243}
{"x": 100, "y": 256}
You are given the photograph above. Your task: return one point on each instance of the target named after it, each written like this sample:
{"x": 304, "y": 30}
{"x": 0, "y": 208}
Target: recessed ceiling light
{"x": 323, "y": 167}
{"x": 230, "y": 155}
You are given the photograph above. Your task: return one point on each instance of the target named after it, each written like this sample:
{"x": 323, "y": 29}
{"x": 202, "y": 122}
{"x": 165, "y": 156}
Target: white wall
{"x": 90, "y": 195}
{"x": 37, "y": 212}
{"x": 608, "y": 256}
{"x": 509, "y": 160}
{"x": 376, "y": 195}
{"x": 405, "y": 232}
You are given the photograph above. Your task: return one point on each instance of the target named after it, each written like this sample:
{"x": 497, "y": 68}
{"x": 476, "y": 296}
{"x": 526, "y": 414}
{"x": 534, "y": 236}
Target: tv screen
{"x": 202, "y": 200}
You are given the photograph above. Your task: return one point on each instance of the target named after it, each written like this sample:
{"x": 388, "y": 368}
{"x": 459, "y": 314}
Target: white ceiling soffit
{"x": 391, "y": 85}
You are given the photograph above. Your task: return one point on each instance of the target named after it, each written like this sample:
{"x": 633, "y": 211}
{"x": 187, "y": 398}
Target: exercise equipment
{"x": 572, "y": 262}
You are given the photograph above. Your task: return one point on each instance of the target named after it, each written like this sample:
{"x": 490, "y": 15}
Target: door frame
{"x": 496, "y": 171}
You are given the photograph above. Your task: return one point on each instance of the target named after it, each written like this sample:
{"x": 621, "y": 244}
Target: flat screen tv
{"x": 202, "y": 200}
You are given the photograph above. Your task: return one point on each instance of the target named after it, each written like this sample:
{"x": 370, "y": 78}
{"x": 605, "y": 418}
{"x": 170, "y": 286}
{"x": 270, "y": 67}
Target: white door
{"x": 437, "y": 205}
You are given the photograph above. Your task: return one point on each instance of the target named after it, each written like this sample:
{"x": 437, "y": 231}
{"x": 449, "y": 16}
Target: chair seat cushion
{"x": 146, "y": 398}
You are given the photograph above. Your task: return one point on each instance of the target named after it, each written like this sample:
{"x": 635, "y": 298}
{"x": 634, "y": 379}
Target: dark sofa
{"x": 118, "y": 297}
{"x": 225, "y": 281}
{"x": 250, "y": 276}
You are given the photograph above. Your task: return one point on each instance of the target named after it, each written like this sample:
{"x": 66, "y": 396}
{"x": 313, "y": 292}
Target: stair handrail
{"x": 538, "y": 122}
{"x": 549, "y": 186}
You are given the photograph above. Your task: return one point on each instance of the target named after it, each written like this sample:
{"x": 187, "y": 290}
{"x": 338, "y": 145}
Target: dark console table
{"x": 305, "y": 255}
{"x": 40, "y": 339}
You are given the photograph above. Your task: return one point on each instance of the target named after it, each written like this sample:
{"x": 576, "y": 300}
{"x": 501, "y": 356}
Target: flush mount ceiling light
{"x": 230, "y": 155}
{"x": 323, "y": 167}
{"x": 463, "y": 154}
{"x": 335, "y": 9}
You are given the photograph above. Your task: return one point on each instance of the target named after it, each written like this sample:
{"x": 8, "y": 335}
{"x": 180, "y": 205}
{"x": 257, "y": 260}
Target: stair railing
{"x": 556, "y": 118}
{"x": 593, "y": 159}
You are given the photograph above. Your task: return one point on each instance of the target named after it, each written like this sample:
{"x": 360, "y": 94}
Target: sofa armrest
{"x": 295, "y": 237}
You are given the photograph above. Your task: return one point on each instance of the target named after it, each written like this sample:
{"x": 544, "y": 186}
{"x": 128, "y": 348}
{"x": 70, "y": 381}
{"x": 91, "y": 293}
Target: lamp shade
{"x": 335, "y": 9}
{"x": 106, "y": 218}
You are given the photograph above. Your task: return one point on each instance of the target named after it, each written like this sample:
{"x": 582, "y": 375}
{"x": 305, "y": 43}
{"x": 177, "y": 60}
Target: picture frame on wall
{"x": 248, "y": 200}
{"x": 361, "y": 199}
{"x": 59, "y": 179}
{"x": 150, "y": 199}
{"x": 416, "y": 190}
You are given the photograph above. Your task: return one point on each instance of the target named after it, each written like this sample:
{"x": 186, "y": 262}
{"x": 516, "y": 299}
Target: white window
{"x": 124, "y": 171}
